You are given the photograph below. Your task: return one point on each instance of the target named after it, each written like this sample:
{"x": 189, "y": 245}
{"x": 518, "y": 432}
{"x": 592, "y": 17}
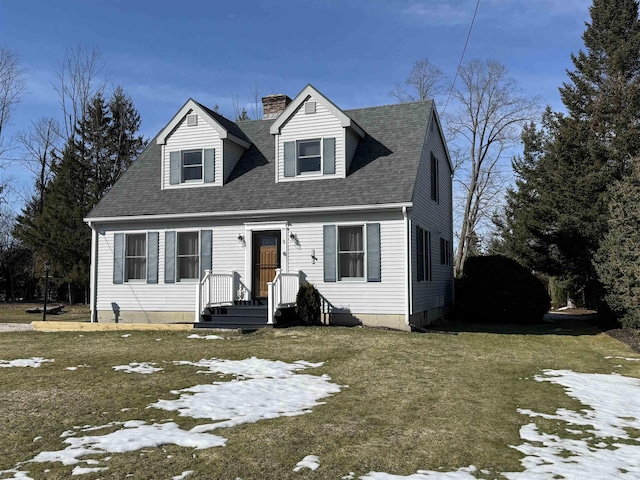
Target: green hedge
{"x": 497, "y": 289}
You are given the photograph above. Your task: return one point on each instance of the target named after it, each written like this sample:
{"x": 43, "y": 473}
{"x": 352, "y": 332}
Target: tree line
{"x": 572, "y": 213}
{"x": 75, "y": 160}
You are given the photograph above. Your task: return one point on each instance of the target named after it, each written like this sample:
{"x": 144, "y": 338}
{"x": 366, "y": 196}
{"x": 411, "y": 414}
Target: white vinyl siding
{"x": 357, "y": 297}
{"x": 437, "y": 219}
{"x": 185, "y": 138}
{"x": 231, "y": 154}
{"x": 352, "y": 140}
{"x": 301, "y": 126}
{"x": 229, "y": 254}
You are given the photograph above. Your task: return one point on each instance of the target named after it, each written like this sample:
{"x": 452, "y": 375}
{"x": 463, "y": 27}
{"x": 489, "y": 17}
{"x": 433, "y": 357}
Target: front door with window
{"x": 266, "y": 258}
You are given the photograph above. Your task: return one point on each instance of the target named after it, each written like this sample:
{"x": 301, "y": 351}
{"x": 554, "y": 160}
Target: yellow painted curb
{"x": 107, "y": 327}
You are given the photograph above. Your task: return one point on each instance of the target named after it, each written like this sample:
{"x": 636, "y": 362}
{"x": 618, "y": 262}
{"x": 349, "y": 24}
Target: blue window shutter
{"x": 289, "y": 159}
{"x": 373, "y": 252}
{"x": 329, "y": 155}
{"x": 209, "y": 165}
{"x": 205, "y": 252}
{"x": 329, "y": 252}
{"x": 169, "y": 257}
{"x": 152, "y": 257}
{"x": 118, "y": 258}
{"x": 174, "y": 168}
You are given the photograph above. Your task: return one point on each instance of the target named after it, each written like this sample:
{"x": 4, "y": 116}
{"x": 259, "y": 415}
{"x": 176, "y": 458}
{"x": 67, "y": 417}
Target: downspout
{"x": 93, "y": 283}
{"x": 407, "y": 267}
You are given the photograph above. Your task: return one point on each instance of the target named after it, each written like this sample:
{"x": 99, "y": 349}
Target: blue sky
{"x": 353, "y": 51}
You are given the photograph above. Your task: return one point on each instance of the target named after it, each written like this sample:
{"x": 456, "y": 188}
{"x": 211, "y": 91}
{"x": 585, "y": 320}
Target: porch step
{"x": 247, "y": 317}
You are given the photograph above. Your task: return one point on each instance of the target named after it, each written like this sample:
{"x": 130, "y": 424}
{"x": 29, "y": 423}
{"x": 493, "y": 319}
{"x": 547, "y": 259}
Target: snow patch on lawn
{"x": 182, "y": 475}
{"x": 625, "y": 358}
{"x": 206, "y": 337}
{"x": 142, "y": 367}
{"x": 611, "y": 407}
{"x": 16, "y": 474}
{"x": 34, "y": 362}
{"x": 261, "y": 389}
{"x": 311, "y": 462}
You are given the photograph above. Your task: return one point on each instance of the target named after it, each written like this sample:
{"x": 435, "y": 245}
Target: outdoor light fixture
{"x": 294, "y": 237}
{"x": 314, "y": 259}
{"x": 241, "y": 239}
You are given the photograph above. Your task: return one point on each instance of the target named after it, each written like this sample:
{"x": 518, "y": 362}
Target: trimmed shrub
{"x": 499, "y": 289}
{"x": 308, "y": 305}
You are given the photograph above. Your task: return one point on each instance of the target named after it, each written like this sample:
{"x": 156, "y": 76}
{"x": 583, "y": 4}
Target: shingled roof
{"x": 383, "y": 171}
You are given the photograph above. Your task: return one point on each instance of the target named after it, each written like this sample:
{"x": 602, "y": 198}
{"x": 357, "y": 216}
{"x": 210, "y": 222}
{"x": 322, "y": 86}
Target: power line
{"x": 461, "y": 56}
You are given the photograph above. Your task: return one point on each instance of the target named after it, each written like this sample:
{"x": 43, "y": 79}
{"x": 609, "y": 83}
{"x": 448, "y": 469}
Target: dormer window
{"x": 309, "y": 157}
{"x": 191, "y": 165}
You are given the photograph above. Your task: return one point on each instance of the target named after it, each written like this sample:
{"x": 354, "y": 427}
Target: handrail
{"x": 282, "y": 291}
{"x": 214, "y": 289}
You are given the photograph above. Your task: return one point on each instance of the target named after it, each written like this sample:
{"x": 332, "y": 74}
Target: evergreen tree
{"x": 103, "y": 146}
{"x": 557, "y": 214}
{"x": 618, "y": 260}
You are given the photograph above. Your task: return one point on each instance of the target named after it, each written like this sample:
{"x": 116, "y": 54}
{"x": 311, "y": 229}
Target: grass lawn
{"x": 409, "y": 401}
{"x": 16, "y": 313}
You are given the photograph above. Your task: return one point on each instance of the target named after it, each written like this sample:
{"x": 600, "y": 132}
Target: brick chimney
{"x": 273, "y": 105}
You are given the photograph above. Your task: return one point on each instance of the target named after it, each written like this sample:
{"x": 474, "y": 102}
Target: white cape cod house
{"x": 215, "y": 216}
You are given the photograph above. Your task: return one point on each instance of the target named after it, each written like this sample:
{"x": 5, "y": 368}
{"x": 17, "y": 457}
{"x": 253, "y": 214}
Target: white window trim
{"x": 197, "y": 181}
{"x": 362, "y": 279}
{"x": 317, "y": 173}
{"x": 146, "y": 258}
{"x": 177, "y": 257}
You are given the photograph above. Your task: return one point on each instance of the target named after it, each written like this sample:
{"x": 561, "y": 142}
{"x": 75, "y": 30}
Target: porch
{"x": 223, "y": 301}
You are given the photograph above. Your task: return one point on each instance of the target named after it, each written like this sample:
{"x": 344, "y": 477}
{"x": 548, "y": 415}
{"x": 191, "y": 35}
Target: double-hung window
{"x": 435, "y": 184}
{"x": 309, "y": 157}
{"x": 445, "y": 251}
{"x": 351, "y": 252}
{"x": 135, "y": 258}
{"x": 423, "y": 247}
{"x": 192, "y": 165}
{"x": 188, "y": 256}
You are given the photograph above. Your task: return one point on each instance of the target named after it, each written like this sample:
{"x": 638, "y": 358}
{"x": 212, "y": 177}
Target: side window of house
{"x": 192, "y": 166}
{"x": 187, "y": 255}
{"x": 423, "y": 247}
{"x": 352, "y": 252}
{"x": 135, "y": 257}
{"x": 435, "y": 184}
{"x": 314, "y": 156}
{"x": 445, "y": 252}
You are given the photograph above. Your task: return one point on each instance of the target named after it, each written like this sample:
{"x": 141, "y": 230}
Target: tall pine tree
{"x": 103, "y": 146}
{"x": 588, "y": 149}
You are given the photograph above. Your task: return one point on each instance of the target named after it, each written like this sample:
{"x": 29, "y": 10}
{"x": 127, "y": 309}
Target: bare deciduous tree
{"x": 80, "y": 76}
{"x": 485, "y": 125}
{"x": 40, "y": 143}
{"x": 12, "y": 88}
{"x": 424, "y": 81}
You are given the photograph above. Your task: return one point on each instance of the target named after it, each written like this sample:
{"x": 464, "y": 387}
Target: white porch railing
{"x": 215, "y": 289}
{"x": 282, "y": 292}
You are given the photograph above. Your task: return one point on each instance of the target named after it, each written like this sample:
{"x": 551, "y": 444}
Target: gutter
{"x": 249, "y": 213}
{"x": 407, "y": 267}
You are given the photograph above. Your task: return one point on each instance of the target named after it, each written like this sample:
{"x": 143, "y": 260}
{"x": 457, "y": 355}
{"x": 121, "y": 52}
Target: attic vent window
{"x": 192, "y": 120}
{"x": 310, "y": 107}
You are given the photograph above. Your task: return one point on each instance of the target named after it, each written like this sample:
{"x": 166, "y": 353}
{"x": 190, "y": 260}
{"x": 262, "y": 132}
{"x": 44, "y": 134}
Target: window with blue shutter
{"x": 118, "y": 258}
{"x": 169, "y": 257}
{"x": 152, "y": 257}
{"x": 329, "y": 252}
{"x": 209, "y": 165}
{"x": 329, "y": 155}
{"x": 205, "y": 251}
{"x": 373, "y": 252}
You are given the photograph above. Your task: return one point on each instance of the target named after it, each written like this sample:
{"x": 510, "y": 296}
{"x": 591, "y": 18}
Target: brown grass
{"x": 17, "y": 313}
{"x": 412, "y": 401}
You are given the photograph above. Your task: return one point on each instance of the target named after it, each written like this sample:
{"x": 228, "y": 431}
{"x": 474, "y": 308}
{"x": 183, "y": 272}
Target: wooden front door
{"x": 266, "y": 258}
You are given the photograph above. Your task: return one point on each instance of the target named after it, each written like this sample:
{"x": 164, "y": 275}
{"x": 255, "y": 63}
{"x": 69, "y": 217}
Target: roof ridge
{"x": 431, "y": 100}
